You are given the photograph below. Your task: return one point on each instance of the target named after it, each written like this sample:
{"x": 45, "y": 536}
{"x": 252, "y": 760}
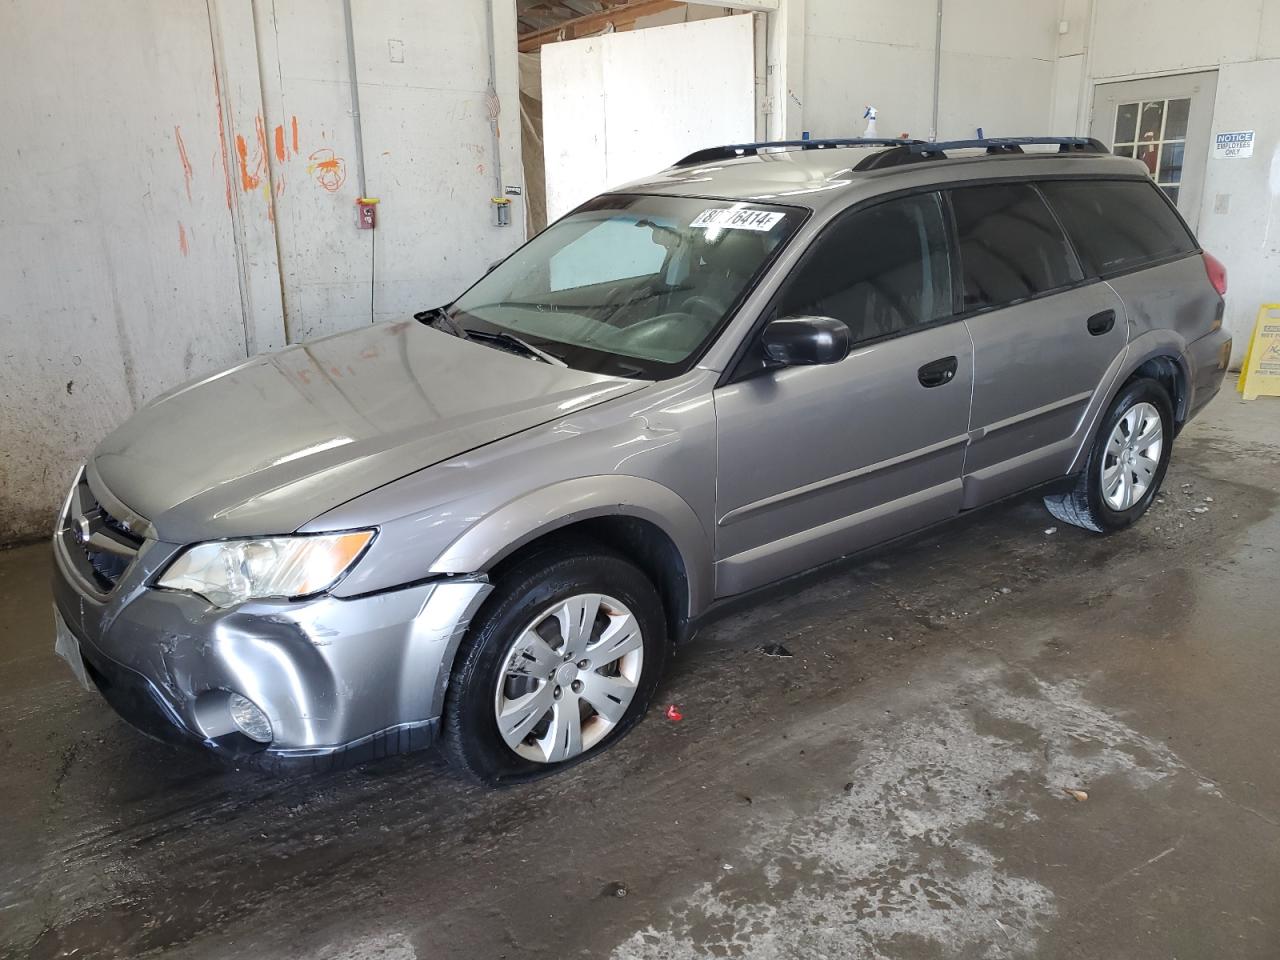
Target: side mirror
{"x": 805, "y": 341}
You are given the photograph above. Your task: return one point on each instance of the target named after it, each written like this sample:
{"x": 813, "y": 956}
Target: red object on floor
{"x": 673, "y": 713}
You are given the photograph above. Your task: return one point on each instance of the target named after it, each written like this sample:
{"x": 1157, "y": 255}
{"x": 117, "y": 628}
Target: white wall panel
{"x": 1001, "y": 29}
{"x": 673, "y": 90}
{"x": 573, "y": 126}
{"x": 843, "y": 75}
{"x": 1269, "y": 31}
{"x": 1064, "y": 120}
{"x": 997, "y": 66}
{"x": 873, "y": 21}
{"x": 618, "y": 107}
{"x": 1150, "y": 36}
{"x": 1005, "y": 97}
{"x": 325, "y": 263}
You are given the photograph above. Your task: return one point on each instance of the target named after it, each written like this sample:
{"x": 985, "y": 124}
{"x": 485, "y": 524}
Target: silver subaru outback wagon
{"x": 490, "y": 524}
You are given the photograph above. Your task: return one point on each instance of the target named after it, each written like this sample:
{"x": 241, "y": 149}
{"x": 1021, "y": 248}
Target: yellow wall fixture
{"x": 1260, "y": 373}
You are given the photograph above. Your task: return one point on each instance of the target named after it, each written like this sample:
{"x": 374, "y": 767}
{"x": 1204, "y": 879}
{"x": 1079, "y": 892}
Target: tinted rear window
{"x": 1011, "y": 248}
{"x": 1118, "y": 225}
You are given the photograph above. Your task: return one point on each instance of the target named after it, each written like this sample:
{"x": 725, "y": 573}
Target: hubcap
{"x": 568, "y": 678}
{"x": 1132, "y": 456}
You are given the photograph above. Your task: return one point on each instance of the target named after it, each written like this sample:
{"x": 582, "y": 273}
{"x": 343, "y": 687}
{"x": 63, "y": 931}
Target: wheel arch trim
{"x": 1150, "y": 346}
{"x": 547, "y": 509}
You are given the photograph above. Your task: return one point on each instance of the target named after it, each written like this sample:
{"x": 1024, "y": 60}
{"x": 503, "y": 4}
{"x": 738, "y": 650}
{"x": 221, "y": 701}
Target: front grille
{"x": 101, "y": 546}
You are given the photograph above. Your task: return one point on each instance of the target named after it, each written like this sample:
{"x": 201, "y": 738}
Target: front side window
{"x": 1118, "y": 225}
{"x": 1011, "y": 248}
{"x": 633, "y": 286}
{"x": 881, "y": 270}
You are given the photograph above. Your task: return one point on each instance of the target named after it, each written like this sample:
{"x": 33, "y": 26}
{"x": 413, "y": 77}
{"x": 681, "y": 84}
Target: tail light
{"x": 1217, "y": 273}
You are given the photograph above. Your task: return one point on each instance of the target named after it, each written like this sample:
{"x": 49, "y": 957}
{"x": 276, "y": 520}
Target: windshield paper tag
{"x": 762, "y": 220}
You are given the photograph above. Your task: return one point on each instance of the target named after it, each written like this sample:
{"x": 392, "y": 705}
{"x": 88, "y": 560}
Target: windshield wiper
{"x": 439, "y": 318}
{"x": 514, "y": 343}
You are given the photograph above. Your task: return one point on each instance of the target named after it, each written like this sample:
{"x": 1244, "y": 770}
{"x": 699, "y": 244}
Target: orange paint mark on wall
{"x": 182, "y": 155}
{"x": 329, "y": 171}
{"x": 182, "y": 239}
{"x": 294, "y": 124}
{"x": 222, "y": 136}
{"x": 250, "y": 178}
{"x": 246, "y": 179}
{"x": 280, "y": 143}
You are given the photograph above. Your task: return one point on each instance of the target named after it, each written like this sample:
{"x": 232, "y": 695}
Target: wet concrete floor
{"x": 898, "y": 787}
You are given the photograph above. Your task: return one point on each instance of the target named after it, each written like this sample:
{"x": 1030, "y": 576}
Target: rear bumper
{"x": 340, "y": 680}
{"x": 1207, "y": 362}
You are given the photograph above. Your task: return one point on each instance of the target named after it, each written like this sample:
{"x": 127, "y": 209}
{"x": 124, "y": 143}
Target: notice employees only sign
{"x": 1229, "y": 146}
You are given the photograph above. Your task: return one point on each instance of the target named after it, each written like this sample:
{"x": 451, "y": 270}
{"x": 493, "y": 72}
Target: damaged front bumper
{"x": 340, "y": 680}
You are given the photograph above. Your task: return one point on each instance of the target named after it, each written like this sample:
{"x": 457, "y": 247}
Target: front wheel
{"x": 562, "y": 661}
{"x": 1126, "y": 465}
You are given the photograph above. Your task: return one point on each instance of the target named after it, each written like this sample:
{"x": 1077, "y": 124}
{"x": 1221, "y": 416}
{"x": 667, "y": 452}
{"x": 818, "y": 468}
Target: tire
{"x": 528, "y": 609}
{"x": 1096, "y": 503}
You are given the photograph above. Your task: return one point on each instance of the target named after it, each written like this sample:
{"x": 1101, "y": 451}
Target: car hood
{"x": 266, "y": 446}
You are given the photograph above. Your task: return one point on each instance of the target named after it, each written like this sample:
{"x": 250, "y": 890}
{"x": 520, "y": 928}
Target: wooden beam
{"x": 620, "y": 15}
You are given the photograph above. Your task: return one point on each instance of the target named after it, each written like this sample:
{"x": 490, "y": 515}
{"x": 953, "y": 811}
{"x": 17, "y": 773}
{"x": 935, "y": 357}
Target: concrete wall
{"x": 997, "y": 72}
{"x": 1239, "y": 222}
{"x": 160, "y": 218}
{"x": 117, "y": 263}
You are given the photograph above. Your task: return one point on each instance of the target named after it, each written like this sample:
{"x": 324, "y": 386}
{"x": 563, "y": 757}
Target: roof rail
{"x": 1015, "y": 144}
{"x": 731, "y": 151}
{"x": 917, "y": 150}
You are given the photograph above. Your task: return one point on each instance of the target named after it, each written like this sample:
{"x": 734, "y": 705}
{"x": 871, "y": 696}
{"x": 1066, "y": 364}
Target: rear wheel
{"x": 562, "y": 661}
{"x": 1127, "y": 462}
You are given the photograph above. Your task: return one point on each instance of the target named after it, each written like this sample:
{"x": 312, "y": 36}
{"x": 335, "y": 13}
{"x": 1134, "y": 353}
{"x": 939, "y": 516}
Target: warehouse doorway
{"x": 1165, "y": 122}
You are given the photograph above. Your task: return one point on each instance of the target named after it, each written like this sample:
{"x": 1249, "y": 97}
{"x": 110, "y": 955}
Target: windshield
{"x": 632, "y": 286}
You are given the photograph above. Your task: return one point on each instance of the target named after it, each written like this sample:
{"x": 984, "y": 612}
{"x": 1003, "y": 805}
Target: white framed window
{"x": 1155, "y": 132}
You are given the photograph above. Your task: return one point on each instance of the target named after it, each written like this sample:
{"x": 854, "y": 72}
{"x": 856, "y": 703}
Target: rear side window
{"x": 881, "y": 270}
{"x": 1118, "y": 225}
{"x": 1011, "y": 248}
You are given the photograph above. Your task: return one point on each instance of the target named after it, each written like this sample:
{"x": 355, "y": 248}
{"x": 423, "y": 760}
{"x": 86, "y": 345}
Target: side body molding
{"x": 560, "y": 504}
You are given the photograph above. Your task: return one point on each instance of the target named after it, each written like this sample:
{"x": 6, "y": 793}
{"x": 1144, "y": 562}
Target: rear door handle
{"x": 938, "y": 372}
{"x": 1101, "y": 323}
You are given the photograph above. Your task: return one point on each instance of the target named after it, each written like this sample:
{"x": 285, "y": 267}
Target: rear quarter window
{"x": 1118, "y": 225}
{"x": 1011, "y": 247}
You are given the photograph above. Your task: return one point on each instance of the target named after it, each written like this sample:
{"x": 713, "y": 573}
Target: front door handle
{"x": 938, "y": 372}
{"x": 1101, "y": 323}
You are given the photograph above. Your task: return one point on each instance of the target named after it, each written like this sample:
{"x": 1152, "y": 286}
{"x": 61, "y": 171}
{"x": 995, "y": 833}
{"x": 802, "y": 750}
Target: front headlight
{"x": 228, "y": 572}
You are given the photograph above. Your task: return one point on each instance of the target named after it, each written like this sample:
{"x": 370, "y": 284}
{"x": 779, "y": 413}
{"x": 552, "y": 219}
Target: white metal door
{"x": 1164, "y": 122}
{"x": 623, "y": 105}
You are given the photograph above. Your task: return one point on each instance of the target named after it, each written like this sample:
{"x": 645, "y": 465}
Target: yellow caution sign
{"x": 1260, "y": 374}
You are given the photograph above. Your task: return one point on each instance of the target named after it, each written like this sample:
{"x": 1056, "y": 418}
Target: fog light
{"x": 246, "y": 715}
